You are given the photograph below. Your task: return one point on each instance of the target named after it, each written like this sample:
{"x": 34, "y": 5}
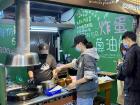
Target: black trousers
{"x": 131, "y": 98}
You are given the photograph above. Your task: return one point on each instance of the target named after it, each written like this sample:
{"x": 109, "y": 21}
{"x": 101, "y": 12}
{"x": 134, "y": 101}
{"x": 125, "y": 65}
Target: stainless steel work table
{"x": 42, "y": 99}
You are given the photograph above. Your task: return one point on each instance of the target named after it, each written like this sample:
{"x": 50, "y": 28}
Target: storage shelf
{"x": 60, "y": 26}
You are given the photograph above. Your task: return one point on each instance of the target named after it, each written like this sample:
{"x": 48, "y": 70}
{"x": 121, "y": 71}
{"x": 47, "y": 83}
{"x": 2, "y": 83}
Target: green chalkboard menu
{"x": 104, "y": 30}
{"x": 8, "y": 46}
{"x": 7, "y": 38}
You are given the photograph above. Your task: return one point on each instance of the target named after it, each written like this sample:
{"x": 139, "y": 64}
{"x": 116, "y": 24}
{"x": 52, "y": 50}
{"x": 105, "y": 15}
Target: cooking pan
{"x": 22, "y": 94}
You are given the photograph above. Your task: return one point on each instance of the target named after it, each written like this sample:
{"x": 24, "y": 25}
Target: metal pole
{"x": 58, "y": 48}
{"x": 23, "y": 26}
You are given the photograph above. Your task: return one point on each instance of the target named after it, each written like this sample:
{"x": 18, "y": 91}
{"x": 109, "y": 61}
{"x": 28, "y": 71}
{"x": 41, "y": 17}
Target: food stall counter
{"x": 45, "y": 100}
{"x": 65, "y": 97}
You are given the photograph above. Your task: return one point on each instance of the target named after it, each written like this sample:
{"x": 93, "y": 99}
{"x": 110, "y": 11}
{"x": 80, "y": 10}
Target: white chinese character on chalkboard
{"x": 100, "y": 45}
{"x": 104, "y": 27}
{"x": 112, "y": 44}
{"x": 120, "y": 24}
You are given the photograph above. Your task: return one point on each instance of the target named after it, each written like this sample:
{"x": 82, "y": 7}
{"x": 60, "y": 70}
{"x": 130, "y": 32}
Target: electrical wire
{"x": 70, "y": 17}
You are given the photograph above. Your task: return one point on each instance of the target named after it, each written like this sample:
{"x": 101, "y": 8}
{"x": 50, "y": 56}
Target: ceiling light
{"x": 43, "y": 29}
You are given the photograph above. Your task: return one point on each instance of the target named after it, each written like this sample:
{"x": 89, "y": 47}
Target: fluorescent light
{"x": 43, "y": 29}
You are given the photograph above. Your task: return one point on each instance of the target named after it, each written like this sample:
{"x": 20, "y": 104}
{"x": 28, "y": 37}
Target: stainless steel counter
{"x": 41, "y": 99}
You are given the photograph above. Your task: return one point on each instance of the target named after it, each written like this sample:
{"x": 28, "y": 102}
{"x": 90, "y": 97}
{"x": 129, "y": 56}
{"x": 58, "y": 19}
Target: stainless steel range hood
{"x": 23, "y": 56}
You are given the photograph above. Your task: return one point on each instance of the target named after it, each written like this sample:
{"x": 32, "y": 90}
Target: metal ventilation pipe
{"x": 23, "y": 56}
{"x": 23, "y": 26}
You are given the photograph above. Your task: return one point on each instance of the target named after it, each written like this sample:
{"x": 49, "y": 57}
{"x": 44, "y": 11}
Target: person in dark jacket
{"x": 130, "y": 69}
{"x": 43, "y": 71}
{"x": 87, "y": 78}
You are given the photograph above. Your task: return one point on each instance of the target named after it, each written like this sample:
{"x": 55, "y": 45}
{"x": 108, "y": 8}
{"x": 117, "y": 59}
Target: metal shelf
{"x": 60, "y": 26}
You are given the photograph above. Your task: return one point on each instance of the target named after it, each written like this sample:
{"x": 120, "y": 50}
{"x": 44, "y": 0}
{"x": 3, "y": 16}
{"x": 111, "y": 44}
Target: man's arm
{"x": 31, "y": 74}
{"x": 63, "y": 67}
{"x": 81, "y": 81}
{"x": 129, "y": 63}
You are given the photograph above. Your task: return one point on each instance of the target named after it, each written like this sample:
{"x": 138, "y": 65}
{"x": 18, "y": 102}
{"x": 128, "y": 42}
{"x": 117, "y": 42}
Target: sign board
{"x": 122, "y": 6}
{"x": 104, "y": 30}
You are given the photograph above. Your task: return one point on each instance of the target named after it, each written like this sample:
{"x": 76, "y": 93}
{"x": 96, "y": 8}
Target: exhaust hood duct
{"x": 23, "y": 56}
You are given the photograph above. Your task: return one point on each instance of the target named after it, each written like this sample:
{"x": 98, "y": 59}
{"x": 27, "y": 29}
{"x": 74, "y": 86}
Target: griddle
{"x": 12, "y": 95}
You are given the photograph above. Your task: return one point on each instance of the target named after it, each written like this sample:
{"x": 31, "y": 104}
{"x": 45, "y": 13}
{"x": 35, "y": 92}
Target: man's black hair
{"x": 130, "y": 35}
